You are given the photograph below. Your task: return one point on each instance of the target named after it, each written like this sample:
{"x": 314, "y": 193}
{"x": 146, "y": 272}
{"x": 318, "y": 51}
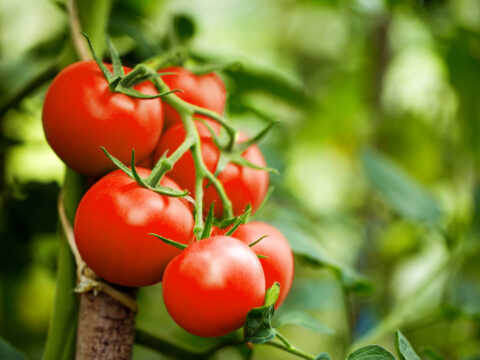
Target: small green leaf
{"x": 258, "y": 325}
{"x": 304, "y": 320}
{"x": 207, "y": 229}
{"x": 371, "y": 352}
{"x": 163, "y": 190}
{"x": 240, "y": 160}
{"x": 403, "y": 347}
{"x": 8, "y": 352}
{"x": 170, "y": 242}
{"x": 262, "y": 256}
{"x": 399, "y": 190}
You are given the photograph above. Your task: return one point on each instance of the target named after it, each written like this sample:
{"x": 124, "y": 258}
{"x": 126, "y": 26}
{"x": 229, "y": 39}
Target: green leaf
{"x": 7, "y": 352}
{"x": 304, "y": 320}
{"x": 403, "y": 347}
{"x": 117, "y": 64}
{"x": 399, "y": 190}
{"x": 371, "y": 352}
{"x": 323, "y": 356}
{"x": 108, "y": 75}
{"x": 258, "y": 325}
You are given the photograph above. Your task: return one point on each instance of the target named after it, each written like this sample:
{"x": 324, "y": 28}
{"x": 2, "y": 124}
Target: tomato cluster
{"x": 208, "y": 287}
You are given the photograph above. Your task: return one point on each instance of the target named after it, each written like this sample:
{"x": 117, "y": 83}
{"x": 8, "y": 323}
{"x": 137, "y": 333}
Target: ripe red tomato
{"x": 206, "y": 91}
{"x": 279, "y": 265}
{"x": 243, "y": 185}
{"x": 112, "y": 224}
{"x": 80, "y": 114}
{"x": 211, "y": 286}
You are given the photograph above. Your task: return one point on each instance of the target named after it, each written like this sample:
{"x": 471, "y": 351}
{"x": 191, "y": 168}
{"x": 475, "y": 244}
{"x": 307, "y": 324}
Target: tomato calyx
{"x": 121, "y": 83}
{"x": 150, "y": 183}
{"x": 231, "y": 151}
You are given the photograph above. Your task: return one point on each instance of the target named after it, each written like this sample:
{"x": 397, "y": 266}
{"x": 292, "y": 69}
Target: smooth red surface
{"x": 212, "y": 285}
{"x": 243, "y": 185}
{"x": 112, "y": 224}
{"x": 279, "y": 265}
{"x": 80, "y": 114}
{"x": 207, "y": 91}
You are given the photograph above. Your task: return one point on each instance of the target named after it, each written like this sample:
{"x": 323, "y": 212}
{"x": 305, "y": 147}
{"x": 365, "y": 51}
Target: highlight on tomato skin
{"x": 112, "y": 226}
{"x": 279, "y": 265}
{"x": 242, "y": 185}
{"x": 211, "y": 286}
{"x": 81, "y": 114}
{"x": 207, "y": 91}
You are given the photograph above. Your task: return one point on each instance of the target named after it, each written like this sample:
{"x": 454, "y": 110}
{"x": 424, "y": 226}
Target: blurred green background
{"x": 379, "y": 110}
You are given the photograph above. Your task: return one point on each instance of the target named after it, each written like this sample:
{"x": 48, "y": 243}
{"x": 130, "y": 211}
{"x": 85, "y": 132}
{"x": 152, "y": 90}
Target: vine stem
{"x": 289, "y": 347}
{"x": 186, "y": 112}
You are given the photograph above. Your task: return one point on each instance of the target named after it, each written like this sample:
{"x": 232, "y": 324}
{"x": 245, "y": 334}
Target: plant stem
{"x": 287, "y": 346}
{"x": 61, "y": 332}
{"x": 186, "y": 112}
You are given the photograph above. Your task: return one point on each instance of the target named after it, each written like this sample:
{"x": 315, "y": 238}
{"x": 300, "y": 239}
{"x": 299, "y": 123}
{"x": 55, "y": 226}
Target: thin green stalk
{"x": 287, "y": 346}
{"x": 61, "y": 333}
{"x": 186, "y": 110}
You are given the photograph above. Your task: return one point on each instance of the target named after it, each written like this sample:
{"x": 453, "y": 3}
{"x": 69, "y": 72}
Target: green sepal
{"x": 269, "y": 193}
{"x": 207, "y": 228}
{"x": 242, "y": 219}
{"x": 255, "y": 139}
{"x": 258, "y": 240}
{"x": 170, "y": 242}
{"x": 133, "y": 174}
{"x": 262, "y": 256}
{"x": 258, "y": 325}
{"x": 116, "y": 62}
{"x": 240, "y": 160}
{"x": 108, "y": 75}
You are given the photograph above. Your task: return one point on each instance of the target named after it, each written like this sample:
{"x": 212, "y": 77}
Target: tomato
{"x": 279, "y": 265}
{"x": 80, "y": 114}
{"x": 211, "y": 286}
{"x": 207, "y": 91}
{"x": 112, "y": 224}
{"x": 243, "y": 185}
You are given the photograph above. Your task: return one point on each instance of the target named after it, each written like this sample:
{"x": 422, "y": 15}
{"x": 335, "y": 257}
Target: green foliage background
{"x": 377, "y": 148}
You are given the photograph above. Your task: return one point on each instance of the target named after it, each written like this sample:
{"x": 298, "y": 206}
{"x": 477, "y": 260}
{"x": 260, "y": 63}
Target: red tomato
{"x": 212, "y": 285}
{"x": 80, "y": 114}
{"x": 206, "y": 91}
{"x": 112, "y": 224}
{"x": 279, "y": 265}
{"x": 243, "y": 185}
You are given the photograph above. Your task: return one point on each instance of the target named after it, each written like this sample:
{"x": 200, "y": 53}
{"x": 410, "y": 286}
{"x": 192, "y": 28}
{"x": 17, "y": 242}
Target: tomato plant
{"x": 112, "y": 224}
{"x": 206, "y": 91}
{"x": 278, "y": 264}
{"x": 243, "y": 185}
{"x": 211, "y": 286}
{"x": 82, "y": 113}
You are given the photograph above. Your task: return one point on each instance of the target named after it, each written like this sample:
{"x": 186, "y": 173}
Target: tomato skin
{"x": 211, "y": 286}
{"x": 243, "y": 185}
{"x": 207, "y": 91}
{"x": 80, "y": 114}
{"x": 279, "y": 265}
{"x": 112, "y": 224}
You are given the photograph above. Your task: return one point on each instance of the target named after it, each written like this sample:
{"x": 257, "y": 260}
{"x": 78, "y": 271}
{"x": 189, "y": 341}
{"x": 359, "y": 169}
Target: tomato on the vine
{"x": 212, "y": 285}
{"x": 112, "y": 226}
{"x": 278, "y": 265}
{"x": 81, "y": 113}
{"x": 243, "y": 185}
{"x": 207, "y": 91}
